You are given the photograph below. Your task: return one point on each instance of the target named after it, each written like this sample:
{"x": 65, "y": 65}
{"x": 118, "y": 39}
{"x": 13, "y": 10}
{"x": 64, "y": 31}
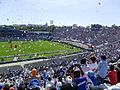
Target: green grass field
{"x": 32, "y": 49}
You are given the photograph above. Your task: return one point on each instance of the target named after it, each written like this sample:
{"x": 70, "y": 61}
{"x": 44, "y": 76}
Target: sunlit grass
{"x": 33, "y": 49}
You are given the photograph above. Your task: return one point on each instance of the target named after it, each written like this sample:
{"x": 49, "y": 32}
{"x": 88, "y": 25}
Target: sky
{"x": 62, "y": 12}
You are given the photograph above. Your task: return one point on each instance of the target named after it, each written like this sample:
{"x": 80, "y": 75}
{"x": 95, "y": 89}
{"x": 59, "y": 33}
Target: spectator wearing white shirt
{"x": 93, "y": 65}
{"x": 84, "y": 65}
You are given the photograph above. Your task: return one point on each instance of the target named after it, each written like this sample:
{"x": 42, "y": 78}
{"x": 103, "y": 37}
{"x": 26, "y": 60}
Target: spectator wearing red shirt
{"x": 112, "y": 75}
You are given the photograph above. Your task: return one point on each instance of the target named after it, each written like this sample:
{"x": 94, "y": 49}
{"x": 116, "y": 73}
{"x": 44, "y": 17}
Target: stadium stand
{"x": 57, "y": 73}
{"x": 75, "y": 72}
{"x": 9, "y": 34}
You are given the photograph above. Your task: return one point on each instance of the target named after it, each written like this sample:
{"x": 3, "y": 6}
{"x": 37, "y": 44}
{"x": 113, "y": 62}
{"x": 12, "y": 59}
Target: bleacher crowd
{"x": 89, "y": 73}
{"x": 107, "y": 38}
{"x": 85, "y": 35}
{"x": 99, "y": 71}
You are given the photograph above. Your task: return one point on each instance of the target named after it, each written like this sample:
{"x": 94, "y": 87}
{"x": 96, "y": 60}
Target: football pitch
{"x": 33, "y": 49}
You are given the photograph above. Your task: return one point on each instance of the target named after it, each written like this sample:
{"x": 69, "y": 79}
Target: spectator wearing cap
{"x": 112, "y": 75}
{"x": 79, "y": 80}
{"x": 102, "y": 70}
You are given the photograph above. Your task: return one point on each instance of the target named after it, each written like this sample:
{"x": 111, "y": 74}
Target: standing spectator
{"x": 112, "y": 75}
{"x": 102, "y": 70}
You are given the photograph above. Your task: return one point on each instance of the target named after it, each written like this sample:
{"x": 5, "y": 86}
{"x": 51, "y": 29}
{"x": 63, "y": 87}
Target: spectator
{"x": 102, "y": 70}
{"x": 34, "y": 80}
{"x": 92, "y": 77}
{"x": 68, "y": 87}
{"x": 112, "y": 75}
{"x": 69, "y": 79}
{"x": 79, "y": 80}
{"x": 6, "y": 86}
{"x": 34, "y": 74}
{"x": 84, "y": 66}
{"x": 93, "y": 66}
{"x": 50, "y": 81}
{"x": 53, "y": 88}
{"x": 1, "y": 86}
{"x": 118, "y": 71}
{"x": 59, "y": 83}
{"x": 11, "y": 88}
{"x": 42, "y": 82}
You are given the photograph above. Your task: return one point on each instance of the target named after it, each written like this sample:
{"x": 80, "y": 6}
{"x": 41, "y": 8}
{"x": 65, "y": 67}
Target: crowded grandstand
{"x": 98, "y": 69}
